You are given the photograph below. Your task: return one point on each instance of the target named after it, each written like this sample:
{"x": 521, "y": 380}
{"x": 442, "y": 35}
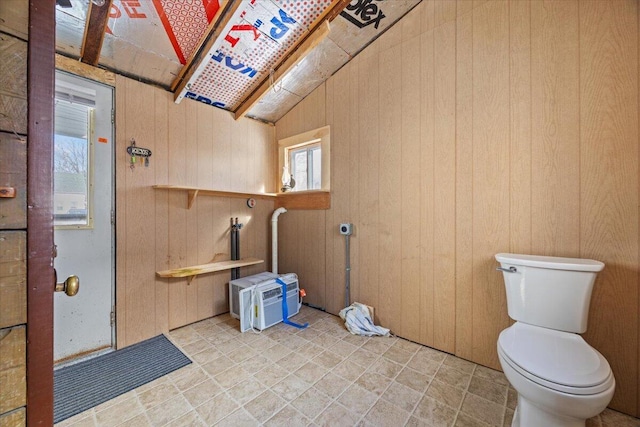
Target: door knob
{"x": 71, "y": 286}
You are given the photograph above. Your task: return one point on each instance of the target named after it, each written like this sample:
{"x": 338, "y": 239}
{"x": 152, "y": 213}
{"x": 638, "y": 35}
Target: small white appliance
{"x": 560, "y": 379}
{"x": 257, "y": 300}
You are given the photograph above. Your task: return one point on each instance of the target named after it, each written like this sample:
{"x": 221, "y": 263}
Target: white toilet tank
{"x": 550, "y": 292}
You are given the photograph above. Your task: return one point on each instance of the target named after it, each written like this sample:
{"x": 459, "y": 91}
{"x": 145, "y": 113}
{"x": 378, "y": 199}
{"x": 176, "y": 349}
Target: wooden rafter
{"x": 221, "y": 22}
{"x": 212, "y": 25}
{"x": 317, "y": 32}
{"x": 94, "y": 29}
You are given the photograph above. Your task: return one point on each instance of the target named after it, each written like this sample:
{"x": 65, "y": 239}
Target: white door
{"x": 83, "y": 206}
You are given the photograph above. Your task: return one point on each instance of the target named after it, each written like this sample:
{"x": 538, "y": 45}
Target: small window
{"x": 304, "y": 161}
{"x": 72, "y": 159}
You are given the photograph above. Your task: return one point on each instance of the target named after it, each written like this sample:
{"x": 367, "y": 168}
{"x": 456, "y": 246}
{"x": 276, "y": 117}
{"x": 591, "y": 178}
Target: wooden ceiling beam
{"x": 94, "y": 29}
{"x": 317, "y": 32}
{"x": 203, "y": 40}
{"x": 221, "y": 22}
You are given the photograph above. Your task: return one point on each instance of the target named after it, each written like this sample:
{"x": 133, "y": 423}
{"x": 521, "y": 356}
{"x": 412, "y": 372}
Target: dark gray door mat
{"x": 84, "y": 385}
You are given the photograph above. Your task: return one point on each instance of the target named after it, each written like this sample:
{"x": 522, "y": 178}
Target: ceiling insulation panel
{"x": 256, "y": 38}
{"x": 151, "y": 39}
{"x": 361, "y": 22}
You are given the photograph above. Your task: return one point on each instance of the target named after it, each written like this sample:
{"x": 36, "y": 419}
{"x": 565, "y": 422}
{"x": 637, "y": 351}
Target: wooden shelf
{"x": 193, "y": 192}
{"x": 307, "y": 200}
{"x": 195, "y": 270}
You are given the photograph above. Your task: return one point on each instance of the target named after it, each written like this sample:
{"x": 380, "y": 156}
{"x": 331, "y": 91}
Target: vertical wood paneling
{"x": 555, "y": 128}
{"x": 410, "y": 189}
{"x": 121, "y": 168}
{"x": 535, "y": 156}
{"x": 389, "y": 311}
{"x": 427, "y": 130}
{"x": 520, "y": 126}
{"x": 368, "y": 83}
{"x": 464, "y": 186}
{"x": 490, "y": 174}
{"x": 140, "y": 227}
{"x": 161, "y": 171}
{"x": 444, "y": 186}
{"x": 191, "y": 145}
{"x": 608, "y": 198}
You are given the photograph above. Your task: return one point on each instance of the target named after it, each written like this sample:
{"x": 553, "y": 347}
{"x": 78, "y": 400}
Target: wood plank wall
{"x": 13, "y": 220}
{"x": 194, "y": 145}
{"x": 468, "y": 129}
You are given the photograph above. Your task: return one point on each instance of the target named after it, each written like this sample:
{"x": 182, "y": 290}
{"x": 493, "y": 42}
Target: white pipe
{"x": 274, "y": 238}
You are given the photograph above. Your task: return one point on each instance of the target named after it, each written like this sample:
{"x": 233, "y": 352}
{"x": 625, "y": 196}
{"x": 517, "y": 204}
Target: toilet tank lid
{"x": 556, "y": 263}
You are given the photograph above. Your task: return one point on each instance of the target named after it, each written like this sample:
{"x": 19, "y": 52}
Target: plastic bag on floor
{"x": 358, "y": 321}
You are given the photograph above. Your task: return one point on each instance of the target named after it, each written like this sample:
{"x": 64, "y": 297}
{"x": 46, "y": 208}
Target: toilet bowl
{"x": 560, "y": 379}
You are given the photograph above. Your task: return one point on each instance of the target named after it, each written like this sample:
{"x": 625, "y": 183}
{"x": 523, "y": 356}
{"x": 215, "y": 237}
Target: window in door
{"x": 72, "y": 158}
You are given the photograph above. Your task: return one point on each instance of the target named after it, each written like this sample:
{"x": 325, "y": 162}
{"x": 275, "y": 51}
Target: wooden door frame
{"x": 40, "y": 276}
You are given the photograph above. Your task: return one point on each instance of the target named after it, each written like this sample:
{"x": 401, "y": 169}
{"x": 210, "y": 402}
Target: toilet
{"x": 560, "y": 379}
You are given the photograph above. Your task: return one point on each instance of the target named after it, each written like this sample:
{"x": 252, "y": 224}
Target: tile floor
{"x": 320, "y": 376}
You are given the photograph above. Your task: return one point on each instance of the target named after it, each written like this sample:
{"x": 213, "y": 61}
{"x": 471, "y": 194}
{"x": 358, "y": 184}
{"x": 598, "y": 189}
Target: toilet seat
{"x": 558, "y": 360}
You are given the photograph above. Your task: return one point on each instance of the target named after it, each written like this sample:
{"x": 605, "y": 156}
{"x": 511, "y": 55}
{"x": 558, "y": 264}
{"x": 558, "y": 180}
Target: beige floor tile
{"x": 206, "y": 356}
{"x": 384, "y": 413}
{"x": 265, "y": 406}
{"x": 348, "y": 370}
{"x": 241, "y": 354}
{"x": 357, "y": 400}
{"x": 202, "y": 392}
{"x": 397, "y": 355}
{"x": 490, "y": 375}
{"x": 332, "y": 385}
{"x": 309, "y": 350}
{"x": 218, "y": 365}
{"x": 190, "y": 419}
{"x": 325, "y": 340}
{"x": 311, "y": 372}
{"x": 444, "y": 393}
{"x": 271, "y": 375}
{"x": 363, "y": 357}
{"x": 216, "y": 409}
{"x": 402, "y": 396}
{"x": 152, "y": 384}
{"x": 292, "y": 361}
{"x": 377, "y": 346}
{"x": 171, "y": 409}
{"x": 612, "y": 418}
{"x": 184, "y": 336}
{"x": 275, "y": 352}
{"x": 239, "y": 418}
{"x": 119, "y": 413}
{"x": 157, "y": 395}
{"x": 459, "y": 364}
{"x": 512, "y": 398}
{"x": 342, "y": 348}
{"x": 336, "y": 415}
{"x": 246, "y": 390}
{"x": 465, "y": 420}
{"x": 422, "y": 362}
{"x": 374, "y": 383}
{"x": 489, "y": 390}
{"x": 406, "y": 345}
{"x": 417, "y": 422}
{"x": 311, "y": 403}
{"x": 190, "y": 379}
{"x": 328, "y": 359}
{"x": 386, "y": 368}
{"x": 290, "y": 388}
{"x": 256, "y": 364}
{"x": 231, "y": 376}
{"x": 453, "y": 377}
{"x": 138, "y": 421}
{"x": 115, "y": 400}
{"x": 482, "y": 409}
{"x": 508, "y": 418}
{"x": 287, "y": 417}
{"x": 434, "y": 412}
{"x": 197, "y": 346}
{"x": 413, "y": 379}
{"x": 86, "y": 418}
{"x": 355, "y": 340}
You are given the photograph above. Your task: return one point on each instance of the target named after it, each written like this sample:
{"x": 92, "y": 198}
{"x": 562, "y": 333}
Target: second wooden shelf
{"x": 212, "y": 267}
